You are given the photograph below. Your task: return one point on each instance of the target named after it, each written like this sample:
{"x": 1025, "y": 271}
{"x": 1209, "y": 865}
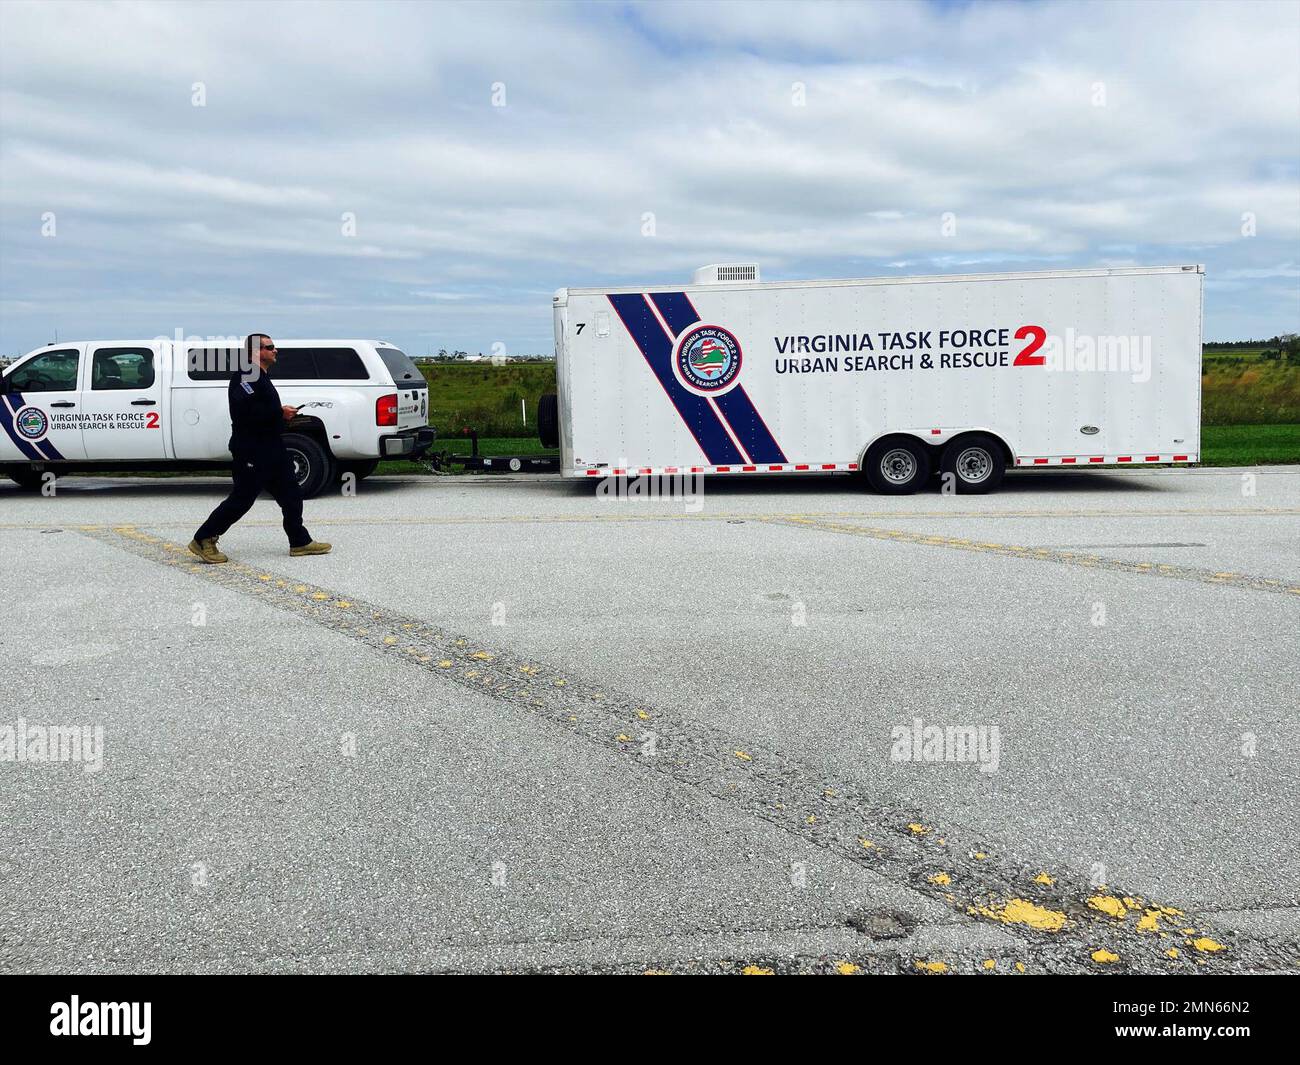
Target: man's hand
{"x": 289, "y": 412}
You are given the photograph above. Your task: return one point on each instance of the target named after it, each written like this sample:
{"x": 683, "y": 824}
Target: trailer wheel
{"x": 548, "y": 420}
{"x": 897, "y": 465}
{"x": 976, "y": 463}
{"x": 313, "y": 465}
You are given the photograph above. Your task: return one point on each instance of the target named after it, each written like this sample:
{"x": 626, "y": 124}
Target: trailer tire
{"x": 312, "y": 463}
{"x": 548, "y": 420}
{"x": 976, "y": 463}
{"x": 27, "y": 478}
{"x": 897, "y": 465}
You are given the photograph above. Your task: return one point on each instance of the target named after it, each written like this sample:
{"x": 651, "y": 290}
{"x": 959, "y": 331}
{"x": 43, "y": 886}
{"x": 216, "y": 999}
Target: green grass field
{"x": 1250, "y": 445}
{"x": 487, "y": 397}
{"x": 1258, "y": 393}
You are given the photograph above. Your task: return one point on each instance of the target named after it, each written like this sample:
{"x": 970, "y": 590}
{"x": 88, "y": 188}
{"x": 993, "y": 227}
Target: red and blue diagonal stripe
{"x": 727, "y": 427}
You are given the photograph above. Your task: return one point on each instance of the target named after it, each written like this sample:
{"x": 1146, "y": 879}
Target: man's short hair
{"x": 253, "y": 344}
{"x": 251, "y": 368}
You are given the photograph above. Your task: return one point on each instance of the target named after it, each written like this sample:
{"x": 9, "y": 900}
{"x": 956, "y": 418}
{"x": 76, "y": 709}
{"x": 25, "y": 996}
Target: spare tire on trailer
{"x": 548, "y": 420}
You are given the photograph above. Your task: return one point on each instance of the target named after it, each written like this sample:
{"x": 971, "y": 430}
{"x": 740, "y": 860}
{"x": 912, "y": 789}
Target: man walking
{"x": 261, "y": 463}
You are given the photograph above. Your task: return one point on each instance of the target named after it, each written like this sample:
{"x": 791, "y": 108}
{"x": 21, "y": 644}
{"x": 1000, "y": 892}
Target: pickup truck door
{"x": 39, "y": 407}
{"x": 122, "y": 403}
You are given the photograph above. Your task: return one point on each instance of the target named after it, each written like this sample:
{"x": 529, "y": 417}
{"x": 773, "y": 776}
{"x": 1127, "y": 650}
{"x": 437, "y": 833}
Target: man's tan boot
{"x": 313, "y": 548}
{"x": 207, "y": 550}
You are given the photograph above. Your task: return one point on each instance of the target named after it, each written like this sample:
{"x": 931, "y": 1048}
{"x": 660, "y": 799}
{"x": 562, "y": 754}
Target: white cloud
{"x": 686, "y": 111}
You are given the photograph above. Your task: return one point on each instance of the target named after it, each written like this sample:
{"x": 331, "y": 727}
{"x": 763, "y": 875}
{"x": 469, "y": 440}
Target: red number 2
{"x": 151, "y": 420}
{"x": 1027, "y": 356}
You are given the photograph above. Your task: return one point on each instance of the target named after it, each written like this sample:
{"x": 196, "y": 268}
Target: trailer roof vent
{"x": 726, "y": 273}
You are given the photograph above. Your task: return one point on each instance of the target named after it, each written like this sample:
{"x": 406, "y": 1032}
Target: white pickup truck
{"x": 162, "y": 405}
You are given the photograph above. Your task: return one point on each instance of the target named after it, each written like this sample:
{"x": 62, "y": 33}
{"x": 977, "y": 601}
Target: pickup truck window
{"x": 122, "y": 368}
{"x": 213, "y": 364}
{"x": 51, "y": 371}
{"x": 399, "y": 364}
{"x": 315, "y": 364}
{"x": 291, "y": 364}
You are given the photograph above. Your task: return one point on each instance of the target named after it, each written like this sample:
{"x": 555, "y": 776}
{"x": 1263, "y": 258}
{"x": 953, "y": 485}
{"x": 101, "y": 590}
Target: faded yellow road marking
{"x": 1069, "y": 558}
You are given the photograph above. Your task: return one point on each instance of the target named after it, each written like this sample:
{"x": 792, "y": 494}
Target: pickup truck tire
{"x": 26, "y": 478}
{"x": 897, "y": 465}
{"x": 976, "y": 462}
{"x": 314, "y": 465}
{"x": 548, "y": 420}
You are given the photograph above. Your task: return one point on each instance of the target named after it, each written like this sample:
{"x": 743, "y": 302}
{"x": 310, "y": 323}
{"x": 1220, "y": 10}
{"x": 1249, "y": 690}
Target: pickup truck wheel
{"x": 26, "y": 478}
{"x": 313, "y": 465}
{"x": 548, "y": 420}
{"x": 976, "y": 463}
{"x": 897, "y": 465}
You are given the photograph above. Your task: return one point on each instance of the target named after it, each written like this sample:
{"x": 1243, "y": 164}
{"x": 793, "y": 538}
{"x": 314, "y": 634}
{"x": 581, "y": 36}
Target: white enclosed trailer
{"x": 895, "y": 378}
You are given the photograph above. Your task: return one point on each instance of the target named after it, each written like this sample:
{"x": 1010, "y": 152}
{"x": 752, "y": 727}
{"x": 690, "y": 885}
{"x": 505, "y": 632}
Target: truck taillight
{"x": 386, "y": 410}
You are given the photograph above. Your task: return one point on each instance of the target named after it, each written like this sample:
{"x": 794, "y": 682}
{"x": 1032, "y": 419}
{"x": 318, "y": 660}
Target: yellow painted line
{"x": 1119, "y": 565}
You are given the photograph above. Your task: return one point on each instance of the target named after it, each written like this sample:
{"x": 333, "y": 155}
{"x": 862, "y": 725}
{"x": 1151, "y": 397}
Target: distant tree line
{"x": 464, "y": 356}
{"x": 1277, "y": 343}
{"x": 1283, "y": 348}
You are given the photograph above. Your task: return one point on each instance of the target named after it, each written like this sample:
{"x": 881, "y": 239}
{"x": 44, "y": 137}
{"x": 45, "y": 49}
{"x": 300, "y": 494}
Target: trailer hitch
{"x": 443, "y": 461}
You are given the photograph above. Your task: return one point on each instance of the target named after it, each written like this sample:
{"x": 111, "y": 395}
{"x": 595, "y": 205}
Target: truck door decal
{"x": 735, "y": 405}
{"x": 698, "y": 412}
{"x": 34, "y": 449}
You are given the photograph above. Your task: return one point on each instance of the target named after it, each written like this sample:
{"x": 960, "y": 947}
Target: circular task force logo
{"x": 708, "y": 359}
{"x": 31, "y": 423}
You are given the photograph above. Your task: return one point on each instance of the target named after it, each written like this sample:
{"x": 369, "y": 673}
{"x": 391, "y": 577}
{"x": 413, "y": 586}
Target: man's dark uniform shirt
{"x": 256, "y": 417}
{"x": 261, "y": 461}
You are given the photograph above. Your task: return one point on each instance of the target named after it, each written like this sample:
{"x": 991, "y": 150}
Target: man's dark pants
{"x": 267, "y": 469}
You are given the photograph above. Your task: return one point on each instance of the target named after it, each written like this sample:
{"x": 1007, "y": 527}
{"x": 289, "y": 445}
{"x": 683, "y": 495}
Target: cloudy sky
{"x": 490, "y": 153}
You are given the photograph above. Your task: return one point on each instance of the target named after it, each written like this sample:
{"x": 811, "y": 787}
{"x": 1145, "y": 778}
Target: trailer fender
{"x": 938, "y": 438}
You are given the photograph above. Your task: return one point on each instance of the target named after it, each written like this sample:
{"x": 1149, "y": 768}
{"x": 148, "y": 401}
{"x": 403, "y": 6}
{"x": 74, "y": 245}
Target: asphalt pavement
{"x": 513, "y": 723}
